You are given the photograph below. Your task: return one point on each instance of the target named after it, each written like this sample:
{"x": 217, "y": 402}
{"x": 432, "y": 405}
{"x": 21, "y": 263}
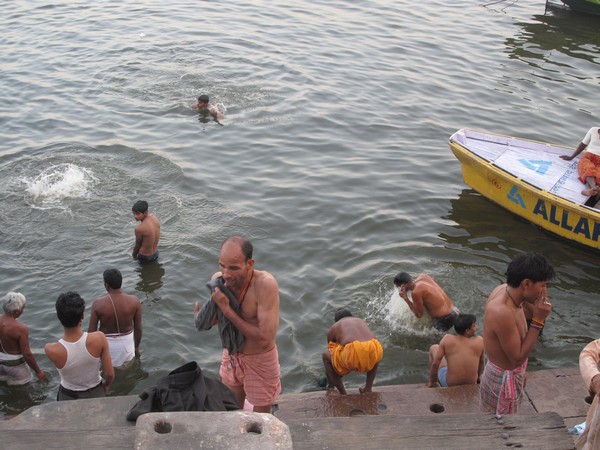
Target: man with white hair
{"x": 15, "y": 354}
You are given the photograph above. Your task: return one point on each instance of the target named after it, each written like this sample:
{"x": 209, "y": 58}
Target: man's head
{"x": 202, "y": 101}
{"x": 235, "y": 261}
{"x": 340, "y": 313}
{"x": 69, "y": 309}
{"x": 402, "y": 278}
{"x": 140, "y": 209}
{"x": 113, "y": 278}
{"x": 465, "y": 322}
{"x": 13, "y": 303}
{"x": 528, "y": 266}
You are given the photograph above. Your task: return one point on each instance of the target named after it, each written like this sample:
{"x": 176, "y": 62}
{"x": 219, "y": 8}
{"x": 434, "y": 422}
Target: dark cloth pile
{"x": 184, "y": 389}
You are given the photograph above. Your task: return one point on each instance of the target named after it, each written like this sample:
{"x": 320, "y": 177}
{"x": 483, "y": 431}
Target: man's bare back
{"x": 126, "y": 307}
{"x": 349, "y": 329}
{"x": 147, "y": 233}
{"x": 464, "y": 358}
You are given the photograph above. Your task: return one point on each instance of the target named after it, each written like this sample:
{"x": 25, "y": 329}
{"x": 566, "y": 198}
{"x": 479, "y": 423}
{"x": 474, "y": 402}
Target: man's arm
{"x": 138, "y": 241}
{"x": 107, "y": 367}
{"x": 481, "y": 359}
{"x": 589, "y": 358}
{"x": 27, "y": 355}
{"x": 267, "y": 313}
{"x": 435, "y": 364}
{"x": 137, "y": 328}
{"x": 577, "y": 152}
{"x": 509, "y": 338}
{"x": 416, "y": 306}
{"x": 93, "y": 326}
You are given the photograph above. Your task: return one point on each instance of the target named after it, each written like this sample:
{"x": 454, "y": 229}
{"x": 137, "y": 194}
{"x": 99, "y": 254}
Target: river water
{"x": 332, "y": 157}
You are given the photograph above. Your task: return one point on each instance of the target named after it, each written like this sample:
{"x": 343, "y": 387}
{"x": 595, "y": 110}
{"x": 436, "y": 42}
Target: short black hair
{"x": 464, "y": 322}
{"x": 402, "y": 278}
{"x": 341, "y": 313}
{"x": 140, "y": 206}
{"x": 69, "y": 309}
{"x": 113, "y": 278}
{"x": 533, "y": 266}
{"x": 203, "y": 98}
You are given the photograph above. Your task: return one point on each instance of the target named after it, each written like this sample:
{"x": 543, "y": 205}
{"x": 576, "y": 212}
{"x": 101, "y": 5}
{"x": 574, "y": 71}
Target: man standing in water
{"x": 253, "y": 370}
{"x": 351, "y": 346}
{"x": 78, "y": 355}
{"x": 120, "y": 318}
{"x": 15, "y": 354}
{"x": 428, "y": 296}
{"x": 506, "y": 339}
{"x": 147, "y": 233}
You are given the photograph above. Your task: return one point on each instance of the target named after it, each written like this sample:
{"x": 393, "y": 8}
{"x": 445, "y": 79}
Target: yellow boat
{"x": 531, "y": 180}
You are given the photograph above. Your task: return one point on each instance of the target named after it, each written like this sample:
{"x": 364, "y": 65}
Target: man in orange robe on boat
{"x": 589, "y": 164}
{"x": 351, "y": 347}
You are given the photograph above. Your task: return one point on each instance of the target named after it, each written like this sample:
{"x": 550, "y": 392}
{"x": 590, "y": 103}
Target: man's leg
{"x": 368, "y": 387}
{"x": 332, "y": 377}
{"x": 238, "y": 392}
{"x": 432, "y": 351}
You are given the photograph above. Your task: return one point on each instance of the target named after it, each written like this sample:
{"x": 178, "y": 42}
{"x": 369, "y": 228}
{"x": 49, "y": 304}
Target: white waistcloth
{"x": 14, "y": 375}
{"x": 122, "y": 348}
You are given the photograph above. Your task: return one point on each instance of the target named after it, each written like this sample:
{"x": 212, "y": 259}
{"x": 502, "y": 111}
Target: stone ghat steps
{"x": 403, "y": 416}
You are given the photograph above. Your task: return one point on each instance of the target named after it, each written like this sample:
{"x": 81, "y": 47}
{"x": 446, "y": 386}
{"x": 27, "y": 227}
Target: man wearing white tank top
{"x": 79, "y": 355}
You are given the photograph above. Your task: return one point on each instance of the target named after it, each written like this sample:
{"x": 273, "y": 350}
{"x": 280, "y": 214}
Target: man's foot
{"x": 363, "y": 389}
{"x": 589, "y": 192}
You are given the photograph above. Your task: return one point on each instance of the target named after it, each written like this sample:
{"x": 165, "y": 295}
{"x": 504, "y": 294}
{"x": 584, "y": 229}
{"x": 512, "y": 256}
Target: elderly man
{"x": 250, "y": 368}
{"x": 14, "y": 342}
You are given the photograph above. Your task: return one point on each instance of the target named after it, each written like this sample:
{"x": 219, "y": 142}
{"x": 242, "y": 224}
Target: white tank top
{"x": 82, "y": 370}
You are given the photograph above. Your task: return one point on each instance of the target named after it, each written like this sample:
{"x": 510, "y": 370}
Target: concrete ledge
{"x": 214, "y": 430}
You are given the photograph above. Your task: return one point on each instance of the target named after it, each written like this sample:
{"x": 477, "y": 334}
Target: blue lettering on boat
{"x": 581, "y": 227}
{"x": 515, "y": 197}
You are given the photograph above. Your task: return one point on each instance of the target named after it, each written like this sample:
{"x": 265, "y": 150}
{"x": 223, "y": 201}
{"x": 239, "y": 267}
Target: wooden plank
{"x": 101, "y": 439}
{"x": 458, "y": 431}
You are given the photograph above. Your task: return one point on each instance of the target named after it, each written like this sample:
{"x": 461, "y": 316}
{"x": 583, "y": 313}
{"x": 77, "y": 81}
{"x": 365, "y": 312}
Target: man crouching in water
{"x": 351, "y": 347}
{"x": 253, "y": 370}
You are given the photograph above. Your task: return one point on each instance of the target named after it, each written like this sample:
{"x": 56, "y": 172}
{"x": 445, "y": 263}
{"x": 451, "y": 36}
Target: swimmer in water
{"x": 203, "y": 105}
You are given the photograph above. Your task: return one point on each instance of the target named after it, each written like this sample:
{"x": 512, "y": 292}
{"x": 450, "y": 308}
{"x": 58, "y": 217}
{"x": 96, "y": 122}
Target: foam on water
{"x": 58, "y": 183}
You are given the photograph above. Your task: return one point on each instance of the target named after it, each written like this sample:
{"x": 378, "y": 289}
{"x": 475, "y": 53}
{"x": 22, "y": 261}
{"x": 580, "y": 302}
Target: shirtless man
{"x": 253, "y": 371}
{"x": 506, "y": 339}
{"x": 15, "y": 354}
{"x": 351, "y": 346}
{"x": 427, "y": 295}
{"x": 203, "y": 105}
{"x": 120, "y": 318}
{"x": 147, "y": 233}
{"x": 457, "y": 359}
{"x": 78, "y": 355}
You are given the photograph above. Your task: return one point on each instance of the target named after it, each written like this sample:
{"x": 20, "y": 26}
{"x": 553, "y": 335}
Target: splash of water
{"x": 58, "y": 183}
{"x": 400, "y": 318}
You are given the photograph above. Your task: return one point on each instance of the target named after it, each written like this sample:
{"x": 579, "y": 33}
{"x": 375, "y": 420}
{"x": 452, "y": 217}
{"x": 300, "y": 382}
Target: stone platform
{"x": 403, "y": 416}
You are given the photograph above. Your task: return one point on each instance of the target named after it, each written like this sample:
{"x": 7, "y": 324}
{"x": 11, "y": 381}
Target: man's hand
{"x": 220, "y": 300}
{"x": 196, "y": 308}
{"x": 41, "y": 375}
{"x": 566, "y": 157}
{"x": 595, "y": 385}
{"x": 541, "y": 308}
